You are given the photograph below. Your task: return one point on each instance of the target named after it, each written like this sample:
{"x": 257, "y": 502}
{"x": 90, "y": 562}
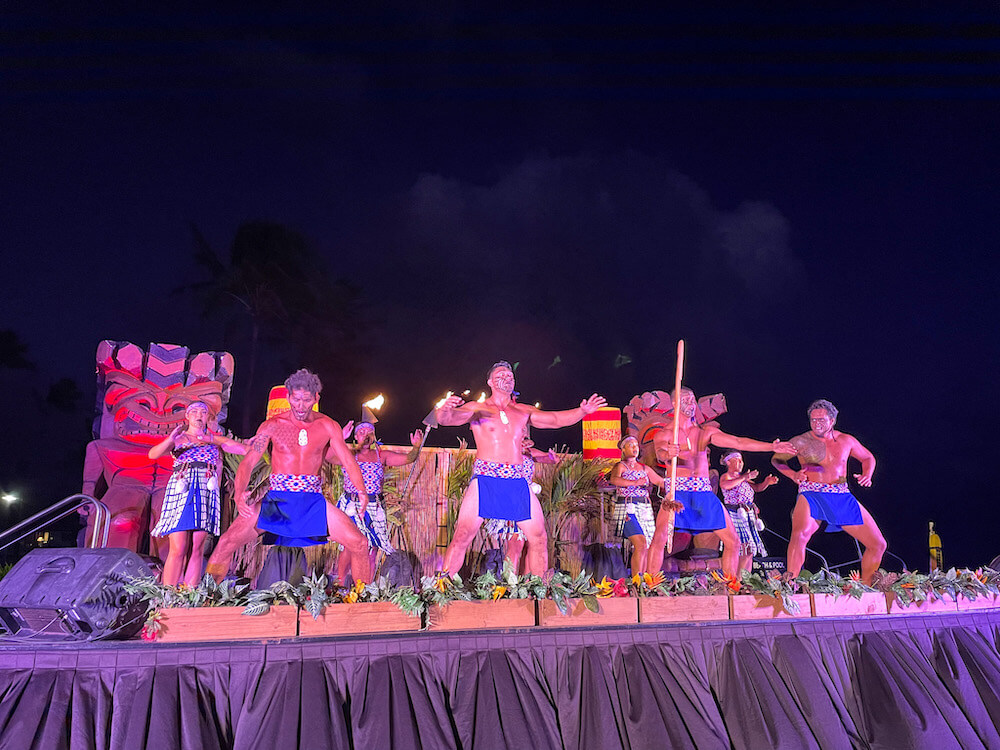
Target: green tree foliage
{"x": 274, "y": 291}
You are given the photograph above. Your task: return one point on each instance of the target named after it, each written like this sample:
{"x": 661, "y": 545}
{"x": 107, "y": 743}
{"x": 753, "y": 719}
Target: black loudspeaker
{"x": 72, "y": 595}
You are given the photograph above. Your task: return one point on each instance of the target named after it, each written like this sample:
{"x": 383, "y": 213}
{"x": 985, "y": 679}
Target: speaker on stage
{"x": 72, "y": 594}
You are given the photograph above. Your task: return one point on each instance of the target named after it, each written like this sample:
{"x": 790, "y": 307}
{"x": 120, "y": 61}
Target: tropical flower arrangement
{"x": 317, "y": 591}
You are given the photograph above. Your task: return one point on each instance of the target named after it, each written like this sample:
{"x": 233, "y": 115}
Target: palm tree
{"x": 275, "y": 287}
{"x": 13, "y": 351}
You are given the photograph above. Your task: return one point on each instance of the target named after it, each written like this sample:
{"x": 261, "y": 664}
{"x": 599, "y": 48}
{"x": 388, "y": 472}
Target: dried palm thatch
{"x": 570, "y": 499}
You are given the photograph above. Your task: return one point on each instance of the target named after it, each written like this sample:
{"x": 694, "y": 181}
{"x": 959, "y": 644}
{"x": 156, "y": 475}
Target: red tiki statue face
{"x": 142, "y": 395}
{"x": 652, "y": 411}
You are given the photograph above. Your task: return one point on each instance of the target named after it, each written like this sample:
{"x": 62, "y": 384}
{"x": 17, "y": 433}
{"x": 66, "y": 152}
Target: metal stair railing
{"x": 57, "y": 511}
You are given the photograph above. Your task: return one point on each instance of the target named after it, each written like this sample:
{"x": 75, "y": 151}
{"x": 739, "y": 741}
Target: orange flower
{"x": 733, "y": 584}
{"x": 855, "y": 575}
{"x": 359, "y": 586}
{"x": 638, "y": 579}
{"x": 499, "y": 591}
{"x": 653, "y": 580}
{"x": 352, "y": 596}
{"x": 440, "y": 584}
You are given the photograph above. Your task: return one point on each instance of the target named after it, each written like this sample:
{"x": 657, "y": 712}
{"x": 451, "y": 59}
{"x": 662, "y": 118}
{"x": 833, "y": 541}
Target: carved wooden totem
{"x": 141, "y": 397}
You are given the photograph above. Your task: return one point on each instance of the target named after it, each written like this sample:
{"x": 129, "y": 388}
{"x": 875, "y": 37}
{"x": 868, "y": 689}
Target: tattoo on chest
{"x": 289, "y": 437}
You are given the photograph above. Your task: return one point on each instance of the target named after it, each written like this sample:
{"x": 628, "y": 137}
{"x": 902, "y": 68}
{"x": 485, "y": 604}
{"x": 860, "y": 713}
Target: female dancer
{"x": 191, "y": 507}
{"x": 633, "y": 514}
{"x": 738, "y": 496}
{"x": 372, "y": 461}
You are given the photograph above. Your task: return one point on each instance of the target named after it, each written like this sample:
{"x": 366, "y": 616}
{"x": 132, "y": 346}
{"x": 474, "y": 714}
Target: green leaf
{"x": 314, "y": 607}
{"x": 257, "y": 608}
{"x": 591, "y": 603}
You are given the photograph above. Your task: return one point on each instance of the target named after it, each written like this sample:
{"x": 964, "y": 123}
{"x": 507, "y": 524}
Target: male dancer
{"x": 698, "y": 508}
{"x": 498, "y": 488}
{"x": 823, "y": 491}
{"x": 294, "y": 507}
{"x": 507, "y": 535}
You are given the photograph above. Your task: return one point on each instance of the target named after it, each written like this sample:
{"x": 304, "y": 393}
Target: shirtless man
{"x": 700, "y": 509}
{"x": 505, "y": 533}
{"x": 823, "y": 491}
{"x": 294, "y": 507}
{"x": 498, "y": 488}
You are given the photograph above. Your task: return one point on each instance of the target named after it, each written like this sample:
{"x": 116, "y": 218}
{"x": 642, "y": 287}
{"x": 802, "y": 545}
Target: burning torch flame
{"x": 375, "y": 403}
{"x": 482, "y": 397}
{"x": 440, "y": 403}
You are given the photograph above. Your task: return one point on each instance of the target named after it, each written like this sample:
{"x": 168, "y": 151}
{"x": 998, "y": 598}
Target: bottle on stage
{"x": 937, "y": 559}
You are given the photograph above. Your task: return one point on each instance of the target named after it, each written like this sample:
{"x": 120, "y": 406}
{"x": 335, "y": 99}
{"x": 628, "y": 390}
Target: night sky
{"x": 807, "y": 196}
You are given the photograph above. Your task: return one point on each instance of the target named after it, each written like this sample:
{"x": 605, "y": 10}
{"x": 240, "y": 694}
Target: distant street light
{"x": 9, "y": 497}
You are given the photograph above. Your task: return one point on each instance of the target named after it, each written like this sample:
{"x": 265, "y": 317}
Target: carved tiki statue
{"x": 141, "y": 397}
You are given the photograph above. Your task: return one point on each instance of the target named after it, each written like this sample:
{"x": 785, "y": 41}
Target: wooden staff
{"x": 671, "y": 490}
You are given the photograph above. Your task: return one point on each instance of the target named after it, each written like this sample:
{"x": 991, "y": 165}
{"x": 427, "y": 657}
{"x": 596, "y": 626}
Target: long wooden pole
{"x": 671, "y": 490}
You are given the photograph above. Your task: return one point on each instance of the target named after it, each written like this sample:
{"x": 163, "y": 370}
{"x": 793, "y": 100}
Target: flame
{"x": 482, "y": 397}
{"x": 441, "y": 401}
{"x": 466, "y": 392}
{"x": 538, "y": 404}
{"x": 375, "y": 403}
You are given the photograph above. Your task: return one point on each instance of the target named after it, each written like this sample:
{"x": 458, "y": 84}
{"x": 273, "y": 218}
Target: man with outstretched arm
{"x": 499, "y": 488}
{"x": 294, "y": 507}
{"x": 698, "y": 508}
{"x": 824, "y": 494}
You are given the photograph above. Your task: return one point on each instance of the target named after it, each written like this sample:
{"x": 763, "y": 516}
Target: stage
{"x": 914, "y": 681}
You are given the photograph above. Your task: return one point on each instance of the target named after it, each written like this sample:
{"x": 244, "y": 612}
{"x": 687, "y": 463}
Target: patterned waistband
{"x": 840, "y": 489}
{"x": 635, "y": 492}
{"x": 691, "y": 484}
{"x": 484, "y": 468}
{"x": 296, "y": 483}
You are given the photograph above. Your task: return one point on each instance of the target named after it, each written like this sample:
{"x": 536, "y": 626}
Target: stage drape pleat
{"x": 882, "y": 682}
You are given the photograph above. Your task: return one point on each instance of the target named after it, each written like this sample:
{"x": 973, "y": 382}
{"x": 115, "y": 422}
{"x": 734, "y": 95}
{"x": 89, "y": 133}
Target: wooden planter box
{"x": 980, "y": 602}
{"x": 480, "y": 615}
{"x": 760, "y": 607}
{"x": 683, "y": 608}
{"x": 612, "y": 611}
{"x": 829, "y": 605}
{"x": 361, "y": 617}
{"x": 928, "y": 606}
{"x": 180, "y": 625}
